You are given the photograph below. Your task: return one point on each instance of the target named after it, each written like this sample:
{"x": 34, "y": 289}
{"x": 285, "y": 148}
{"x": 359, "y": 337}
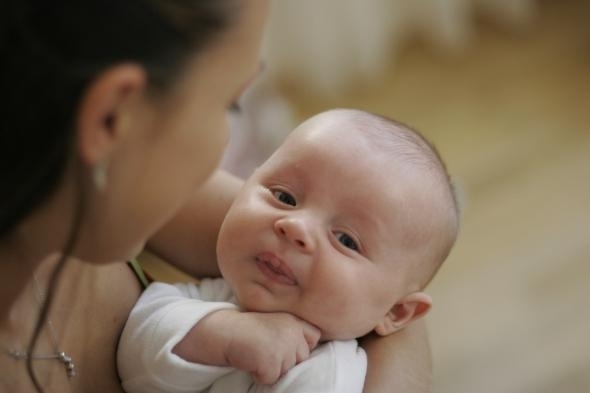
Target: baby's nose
{"x": 296, "y": 231}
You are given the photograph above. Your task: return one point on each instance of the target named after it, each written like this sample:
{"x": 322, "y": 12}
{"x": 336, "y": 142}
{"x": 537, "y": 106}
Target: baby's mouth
{"x": 275, "y": 269}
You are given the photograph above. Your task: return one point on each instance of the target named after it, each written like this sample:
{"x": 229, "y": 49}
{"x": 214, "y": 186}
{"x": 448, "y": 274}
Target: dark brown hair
{"x": 51, "y": 51}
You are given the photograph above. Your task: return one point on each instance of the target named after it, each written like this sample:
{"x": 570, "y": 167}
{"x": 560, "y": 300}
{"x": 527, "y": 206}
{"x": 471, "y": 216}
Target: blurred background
{"x": 502, "y": 88}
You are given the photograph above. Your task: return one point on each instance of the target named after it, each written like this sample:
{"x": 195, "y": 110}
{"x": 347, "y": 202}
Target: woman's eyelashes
{"x": 347, "y": 241}
{"x": 284, "y": 197}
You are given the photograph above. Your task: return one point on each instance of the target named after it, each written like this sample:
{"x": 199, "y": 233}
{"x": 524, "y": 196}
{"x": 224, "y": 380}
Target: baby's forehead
{"x": 366, "y": 159}
{"x": 361, "y": 131}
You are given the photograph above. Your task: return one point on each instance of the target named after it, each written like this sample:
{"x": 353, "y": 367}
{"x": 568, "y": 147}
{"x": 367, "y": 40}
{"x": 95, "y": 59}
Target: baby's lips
{"x": 277, "y": 265}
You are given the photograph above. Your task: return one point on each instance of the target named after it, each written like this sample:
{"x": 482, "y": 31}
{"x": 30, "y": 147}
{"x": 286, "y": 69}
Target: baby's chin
{"x": 251, "y": 304}
{"x": 340, "y": 330}
{"x": 256, "y": 303}
{"x": 328, "y": 335}
{"x": 254, "y": 300}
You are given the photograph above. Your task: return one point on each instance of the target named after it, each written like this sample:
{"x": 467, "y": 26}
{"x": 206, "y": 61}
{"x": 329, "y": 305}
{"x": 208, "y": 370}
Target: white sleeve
{"x": 333, "y": 367}
{"x": 162, "y": 316}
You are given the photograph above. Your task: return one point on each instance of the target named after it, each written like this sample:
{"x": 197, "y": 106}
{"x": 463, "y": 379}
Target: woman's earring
{"x": 100, "y": 175}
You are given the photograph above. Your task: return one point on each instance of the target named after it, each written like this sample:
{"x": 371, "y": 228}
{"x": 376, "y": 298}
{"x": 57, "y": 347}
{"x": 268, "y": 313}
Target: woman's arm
{"x": 400, "y": 362}
{"x": 188, "y": 240}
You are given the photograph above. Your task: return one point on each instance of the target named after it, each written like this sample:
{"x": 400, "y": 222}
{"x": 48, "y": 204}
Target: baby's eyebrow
{"x": 367, "y": 221}
{"x": 286, "y": 172}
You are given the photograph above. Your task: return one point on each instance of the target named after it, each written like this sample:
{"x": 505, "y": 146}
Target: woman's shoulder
{"x": 96, "y": 301}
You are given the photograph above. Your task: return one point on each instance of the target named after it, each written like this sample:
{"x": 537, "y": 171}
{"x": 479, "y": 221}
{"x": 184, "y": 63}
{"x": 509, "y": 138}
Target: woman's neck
{"x": 33, "y": 243}
{"x": 16, "y": 270}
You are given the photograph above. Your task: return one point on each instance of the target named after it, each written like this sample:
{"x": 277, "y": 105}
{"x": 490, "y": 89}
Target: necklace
{"x": 59, "y": 355}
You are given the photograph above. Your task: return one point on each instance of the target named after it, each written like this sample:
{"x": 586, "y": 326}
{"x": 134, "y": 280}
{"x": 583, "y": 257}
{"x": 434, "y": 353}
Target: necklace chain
{"x": 61, "y": 356}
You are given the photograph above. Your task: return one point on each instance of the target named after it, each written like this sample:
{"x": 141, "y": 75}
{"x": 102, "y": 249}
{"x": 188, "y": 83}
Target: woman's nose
{"x": 296, "y": 231}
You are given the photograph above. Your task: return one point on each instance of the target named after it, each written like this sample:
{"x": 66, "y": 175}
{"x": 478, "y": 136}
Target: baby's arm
{"x": 266, "y": 345}
{"x": 157, "y": 348}
{"x": 160, "y": 319}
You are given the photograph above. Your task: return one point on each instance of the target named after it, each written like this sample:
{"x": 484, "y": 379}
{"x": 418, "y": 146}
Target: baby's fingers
{"x": 268, "y": 376}
{"x": 312, "y": 335}
{"x": 302, "y": 353}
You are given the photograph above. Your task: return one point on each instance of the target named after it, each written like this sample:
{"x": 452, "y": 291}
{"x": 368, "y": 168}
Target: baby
{"x": 334, "y": 236}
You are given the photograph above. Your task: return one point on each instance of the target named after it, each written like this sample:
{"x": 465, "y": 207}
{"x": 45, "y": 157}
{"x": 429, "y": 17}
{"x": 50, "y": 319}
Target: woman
{"x": 115, "y": 114}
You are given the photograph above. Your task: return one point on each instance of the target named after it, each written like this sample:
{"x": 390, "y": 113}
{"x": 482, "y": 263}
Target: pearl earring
{"x": 100, "y": 175}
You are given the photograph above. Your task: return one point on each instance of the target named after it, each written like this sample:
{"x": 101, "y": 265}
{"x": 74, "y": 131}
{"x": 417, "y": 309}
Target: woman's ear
{"x": 99, "y": 122}
{"x": 408, "y": 309}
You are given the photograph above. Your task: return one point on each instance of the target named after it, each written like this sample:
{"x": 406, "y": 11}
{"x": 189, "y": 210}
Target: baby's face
{"x": 321, "y": 231}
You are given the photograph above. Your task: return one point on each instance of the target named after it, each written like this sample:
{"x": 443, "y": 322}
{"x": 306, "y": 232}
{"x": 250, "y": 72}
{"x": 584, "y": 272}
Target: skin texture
{"x": 158, "y": 150}
{"x": 317, "y": 249}
{"x": 409, "y": 367}
{"x": 142, "y": 157}
{"x": 321, "y": 231}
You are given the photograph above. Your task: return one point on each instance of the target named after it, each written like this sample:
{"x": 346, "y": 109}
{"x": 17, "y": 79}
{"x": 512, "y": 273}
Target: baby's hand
{"x": 267, "y": 345}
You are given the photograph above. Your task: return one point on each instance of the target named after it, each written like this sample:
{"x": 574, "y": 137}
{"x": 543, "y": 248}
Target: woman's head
{"x": 138, "y": 87}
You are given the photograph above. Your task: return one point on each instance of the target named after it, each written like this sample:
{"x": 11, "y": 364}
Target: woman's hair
{"x": 51, "y": 51}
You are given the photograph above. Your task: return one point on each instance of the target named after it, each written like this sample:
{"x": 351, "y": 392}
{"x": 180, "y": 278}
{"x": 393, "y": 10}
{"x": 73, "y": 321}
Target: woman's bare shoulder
{"x": 99, "y": 298}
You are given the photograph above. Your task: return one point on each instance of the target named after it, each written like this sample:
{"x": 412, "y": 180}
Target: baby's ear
{"x": 406, "y": 310}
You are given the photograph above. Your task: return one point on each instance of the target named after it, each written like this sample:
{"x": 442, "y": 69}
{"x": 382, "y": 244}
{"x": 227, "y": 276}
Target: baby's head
{"x": 343, "y": 226}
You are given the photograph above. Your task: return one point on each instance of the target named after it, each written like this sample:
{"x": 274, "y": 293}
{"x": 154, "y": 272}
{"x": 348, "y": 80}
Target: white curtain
{"x": 328, "y": 43}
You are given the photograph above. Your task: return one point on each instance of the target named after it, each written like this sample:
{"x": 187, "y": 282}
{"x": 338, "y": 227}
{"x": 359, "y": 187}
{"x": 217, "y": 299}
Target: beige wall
{"x": 511, "y": 114}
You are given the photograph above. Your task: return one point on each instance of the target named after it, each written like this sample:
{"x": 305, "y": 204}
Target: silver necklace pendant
{"x": 68, "y": 363}
{"x": 61, "y": 356}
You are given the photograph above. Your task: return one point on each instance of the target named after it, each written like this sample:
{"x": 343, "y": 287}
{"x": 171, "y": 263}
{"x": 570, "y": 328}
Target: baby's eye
{"x": 285, "y": 197}
{"x": 347, "y": 241}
